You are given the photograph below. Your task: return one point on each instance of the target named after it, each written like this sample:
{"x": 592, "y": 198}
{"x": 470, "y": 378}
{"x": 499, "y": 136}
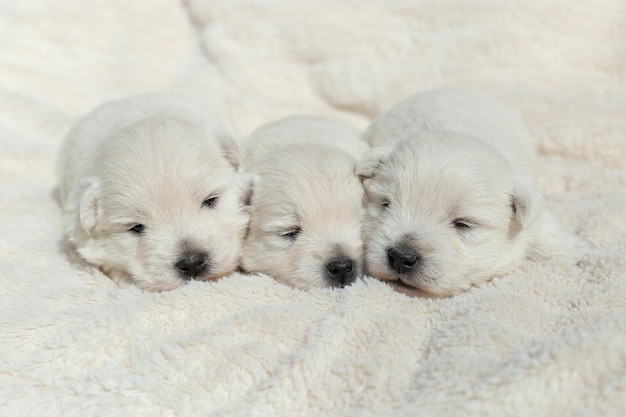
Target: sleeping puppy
{"x": 451, "y": 198}
{"x": 307, "y": 206}
{"x": 151, "y": 193}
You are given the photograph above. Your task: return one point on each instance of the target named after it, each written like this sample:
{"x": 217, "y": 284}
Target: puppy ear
{"x": 230, "y": 149}
{"x": 372, "y": 160}
{"x": 88, "y": 208}
{"x": 247, "y": 185}
{"x": 524, "y": 201}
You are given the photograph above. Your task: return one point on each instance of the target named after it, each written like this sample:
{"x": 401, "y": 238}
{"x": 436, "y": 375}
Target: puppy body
{"x": 301, "y": 130}
{"x": 451, "y": 198}
{"x": 151, "y": 193}
{"x": 307, "y": 206}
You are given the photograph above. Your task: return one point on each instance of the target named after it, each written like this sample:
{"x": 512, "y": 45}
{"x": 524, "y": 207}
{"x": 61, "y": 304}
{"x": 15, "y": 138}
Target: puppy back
{"x": 467, "y": 112}
{"x": 303, "y": 130}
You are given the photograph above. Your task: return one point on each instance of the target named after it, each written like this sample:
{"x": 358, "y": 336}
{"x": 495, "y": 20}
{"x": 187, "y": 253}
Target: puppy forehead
{"x": 165, "y": 142}
{"x": 439, "y": 172}
{"x": 302, "y": 169}
{"x": 168, "y": 146}
{"x": 163, "y": 188}
{"x": 308, "y": 201}
{"x": 309, "y": 186}
{"x": 170, "y": 171}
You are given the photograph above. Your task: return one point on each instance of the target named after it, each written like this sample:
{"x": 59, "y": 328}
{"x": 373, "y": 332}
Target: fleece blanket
{"x": 548, "y": 339}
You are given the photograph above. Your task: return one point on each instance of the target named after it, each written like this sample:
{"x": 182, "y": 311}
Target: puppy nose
{"x": 402, "y": 259}
{"x": 341, "y": 270}
{"x": 192, "y": 264}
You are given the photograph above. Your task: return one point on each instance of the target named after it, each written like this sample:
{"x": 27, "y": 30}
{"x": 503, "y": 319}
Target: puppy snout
{"x": 192, "y": 264}
{"x": 403, "y": 259}
{"x": 341, "y": 271}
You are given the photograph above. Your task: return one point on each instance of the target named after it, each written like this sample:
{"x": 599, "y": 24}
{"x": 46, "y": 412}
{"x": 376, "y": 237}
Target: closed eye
{"x": 137, "y": 229}
{"x": 210, "y": 202}
{"x": 384, "y": 204}
{"x": 291, "y": 233}
{"x": 463, "y": 225}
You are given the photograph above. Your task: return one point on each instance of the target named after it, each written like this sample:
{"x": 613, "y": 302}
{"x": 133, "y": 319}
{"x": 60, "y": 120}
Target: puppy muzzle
{"x": 403, "y": 259}
{"x": 193, "y": 265}
{"x": 341, "y": 272}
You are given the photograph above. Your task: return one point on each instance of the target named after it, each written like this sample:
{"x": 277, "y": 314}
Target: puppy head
{"x": 164, "y": 205}
{"x": 305, "y": 218}
{"x": 444, "y": 212}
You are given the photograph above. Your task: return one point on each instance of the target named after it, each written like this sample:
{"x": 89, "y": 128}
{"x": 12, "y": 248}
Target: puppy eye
{"x": 292, "y": 234}
{"x": 137, "y": 229}
{"x": 384, "y": 204}
{"x": 209, "y": 202}
{"x": 462, "y": 225}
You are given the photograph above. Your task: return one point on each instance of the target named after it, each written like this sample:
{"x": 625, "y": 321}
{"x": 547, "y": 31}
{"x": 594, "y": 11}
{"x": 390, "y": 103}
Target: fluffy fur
{"x": 451, "y": 198}
{"x": 151, "y": 192}
{"x": 307, "y": 207}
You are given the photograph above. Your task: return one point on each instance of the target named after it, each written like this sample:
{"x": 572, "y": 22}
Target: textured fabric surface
{"x": 546, "y": 340}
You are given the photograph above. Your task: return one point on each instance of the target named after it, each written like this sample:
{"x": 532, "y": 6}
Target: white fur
{"x": 152, "y": 159}
{"x": 306, "y": 181}
{"x": 450, "y": 183}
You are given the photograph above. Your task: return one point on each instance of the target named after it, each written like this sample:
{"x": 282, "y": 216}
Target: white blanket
{"x": 546, "y": 340}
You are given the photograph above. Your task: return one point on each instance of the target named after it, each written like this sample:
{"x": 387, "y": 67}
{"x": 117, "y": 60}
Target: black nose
{"x": 402, "y": 259}
{"x": 192, "y": 264}
{"x": 341, "y": 271}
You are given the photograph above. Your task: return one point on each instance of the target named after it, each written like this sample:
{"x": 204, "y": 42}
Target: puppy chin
{"x": 308, "y": 276}
{"x": 411, "y": 291}
{"x": 160, "y": 286}
{"x": 170, "y": 282}
{"x": 418, "y": 288}
{"x": 176, "y": 281}
{"x": 432, "y": 287}
{"x": 303, "y": 282}
{"x": 153, "y": 284}
{"x": 159, "y": 279}
{"x": 215, "y": 276}
{"x": 413, "y": 284}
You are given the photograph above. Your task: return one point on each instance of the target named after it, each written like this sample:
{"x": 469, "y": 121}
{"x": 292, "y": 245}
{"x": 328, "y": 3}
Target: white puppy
{"x": 451, "y": 199}
{"x": 151, "y": 193}
{"x": 307, "y": 207}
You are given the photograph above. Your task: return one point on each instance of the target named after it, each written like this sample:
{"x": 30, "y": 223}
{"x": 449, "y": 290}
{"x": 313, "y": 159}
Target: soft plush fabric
{"x": 546, "y": 340}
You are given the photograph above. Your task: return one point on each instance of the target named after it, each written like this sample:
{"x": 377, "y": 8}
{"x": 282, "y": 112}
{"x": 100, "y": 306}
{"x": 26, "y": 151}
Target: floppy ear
{"x": 88, "y": 208}
{"x": 230, "y": 149}
{"x": 247, "y": 183}
{"x": 372, "y": 160}
{"x": 524, "y": 201}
